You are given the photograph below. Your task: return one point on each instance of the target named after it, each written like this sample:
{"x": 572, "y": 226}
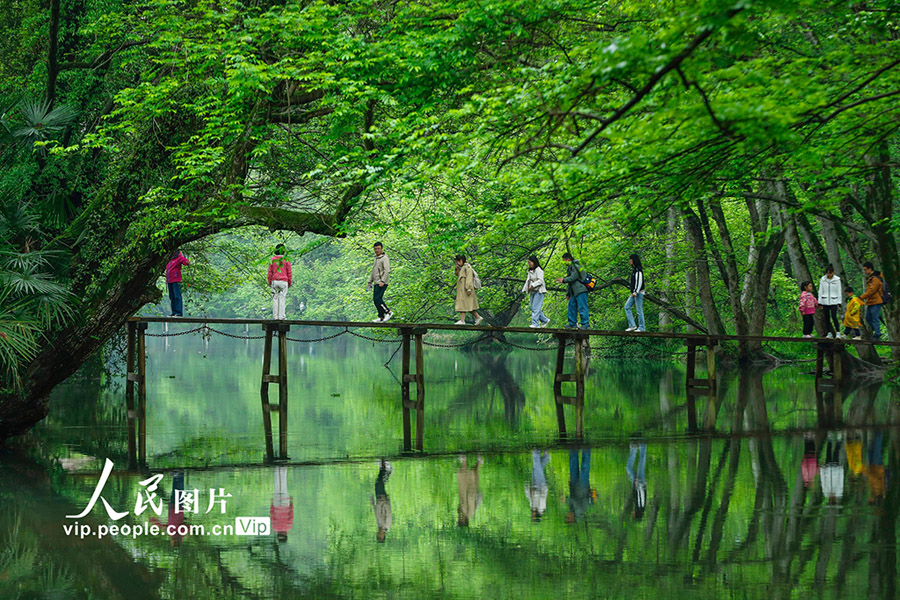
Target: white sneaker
{"x": 544, "y": 324}
{"x": 631, "y": 329}
{"x": 808, "y": 335}
{"x": 378, "y": 320}
{"x": 859, "y": 337}
{"x": 829, "y": 335}
{"x": 387, "y": 316}
{"x": 460, "y": 323}
{"x": 479, "y": 320}
{"x": 533, "y": 326}
{"x": 840, "y": 336}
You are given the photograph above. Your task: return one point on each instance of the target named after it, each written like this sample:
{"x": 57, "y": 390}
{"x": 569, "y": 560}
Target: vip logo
{"x": 252, "y": 526}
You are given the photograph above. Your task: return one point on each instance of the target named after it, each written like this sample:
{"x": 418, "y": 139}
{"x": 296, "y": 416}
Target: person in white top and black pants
{"x": 636, "y": 299}
{"x": 831, "y": 295}
{"x": 536, "y": 288}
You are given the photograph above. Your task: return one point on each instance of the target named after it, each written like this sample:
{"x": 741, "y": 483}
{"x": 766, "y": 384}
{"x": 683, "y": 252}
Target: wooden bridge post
{"x": 580, "y": 341}
{"x": 142, "y": 391}
{"x": 712, "y": 398}
{"x": 557, "y": 384}
{"x": 420, "y": 393}
{"x": 404, "y": 389}
{"x": 837, "y": 366}
{"x": 264, "y": 390}
{"x": 820, "y": 363}
{"x": 282, "y": 391}
{"x": 281, "y": 379}
{"x": 131, "y": 414}
{"x": 690, "y": 373}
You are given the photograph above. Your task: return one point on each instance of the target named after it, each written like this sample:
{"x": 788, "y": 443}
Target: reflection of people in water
{"x": 853, "y": 447}
{"x": 580, "y": 496}
{"x": 637, "y": 478}
{"x": 536, "y": 491}
{"x": 175, "y": 518}
{"x": 282, "y": 509}
{"x": 832, "y": 473}
{"x": 381, "y": 503}
{"x": 875, "y": 468}
{"x": 809, "y": 467}
{"x": 469, "y": 496}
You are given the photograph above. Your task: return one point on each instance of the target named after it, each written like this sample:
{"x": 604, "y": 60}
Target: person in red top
{"x": 279, "y": 280}
{"x": 173, "y": 281}
{"x": 282, "y": 509}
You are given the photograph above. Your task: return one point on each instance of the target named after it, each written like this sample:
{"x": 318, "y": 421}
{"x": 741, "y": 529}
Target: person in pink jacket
{"x": 808, "y": 305}
{"x": 279, "y": 280}
{"x": 173, "y": 281}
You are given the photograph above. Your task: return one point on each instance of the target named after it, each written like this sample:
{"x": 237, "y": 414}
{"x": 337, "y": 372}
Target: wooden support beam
{"x": 264, "y": 392}
{"x": 820, "y": 360}
{"x": 129, "y": 394}
{"x": 271, "y": 378}
{"x": 404, "y": 390}
{"x": 560, "y": 377}
{"x": 557, "y": 385}
{"x": 142, "y": 393}
{"x": 283, "y": 392}
{"x": 420, "y": 393}
{"x": 712, "y": 399}
{"x": 711, "y": 366}
{"x": 579, "y": 386}
{"x": 837, "y": 365}
{"x": 566, "y": 400}
{"x": 691, "y": 366}
{"x": 693, "y": 383}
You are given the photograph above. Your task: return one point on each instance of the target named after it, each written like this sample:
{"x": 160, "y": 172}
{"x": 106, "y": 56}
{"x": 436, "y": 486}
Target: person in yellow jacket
{"x": 851, "y": 314}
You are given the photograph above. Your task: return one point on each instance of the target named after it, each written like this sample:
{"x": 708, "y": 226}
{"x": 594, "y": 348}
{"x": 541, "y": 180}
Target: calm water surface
{"x": 776, "y": 501}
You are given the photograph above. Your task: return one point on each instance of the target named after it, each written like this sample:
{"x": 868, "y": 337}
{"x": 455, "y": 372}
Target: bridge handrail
{"x": 700, "y": 338}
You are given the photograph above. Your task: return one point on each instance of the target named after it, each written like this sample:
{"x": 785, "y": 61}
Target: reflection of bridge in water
{"x": 828, "y": 389}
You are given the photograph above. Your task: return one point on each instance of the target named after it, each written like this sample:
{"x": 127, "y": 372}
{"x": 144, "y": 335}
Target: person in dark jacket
{"x": 576, "y": 293}
{"x": 636, "y": 299}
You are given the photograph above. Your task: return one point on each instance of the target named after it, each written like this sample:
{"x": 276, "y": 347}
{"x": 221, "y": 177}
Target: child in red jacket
{"x": 808, "y": 305}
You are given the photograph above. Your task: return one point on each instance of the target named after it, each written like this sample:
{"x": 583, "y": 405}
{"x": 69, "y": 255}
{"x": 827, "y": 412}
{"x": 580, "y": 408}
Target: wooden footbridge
{"x": 413, "y": 333}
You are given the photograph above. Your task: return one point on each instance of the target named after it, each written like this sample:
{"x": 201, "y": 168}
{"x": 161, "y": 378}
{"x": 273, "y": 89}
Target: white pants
{"x": 280, "y": 494}
{"x": 279, "y": 294}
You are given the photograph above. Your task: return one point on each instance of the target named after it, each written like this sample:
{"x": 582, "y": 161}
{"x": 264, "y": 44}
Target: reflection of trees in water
{"x": 789, "y": 536}
{"x": 495, "y": 375}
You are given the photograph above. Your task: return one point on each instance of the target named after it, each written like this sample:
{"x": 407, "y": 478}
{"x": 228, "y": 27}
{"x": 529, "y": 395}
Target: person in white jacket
{"x": 831, "y": 295}
{"x": 536, "y": 490}
{"x": 535, "y": 286}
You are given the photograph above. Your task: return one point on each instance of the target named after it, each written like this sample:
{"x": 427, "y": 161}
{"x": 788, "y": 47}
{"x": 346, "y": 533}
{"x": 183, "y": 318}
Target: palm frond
{"x": 42, "y": 121}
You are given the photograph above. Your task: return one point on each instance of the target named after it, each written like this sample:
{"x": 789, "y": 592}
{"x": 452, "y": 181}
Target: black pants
{"x": 831, "y": 317}
{"x": 378, "y": 299}
{"x": 851, "y": 332}
{"x": 808, "y": 324}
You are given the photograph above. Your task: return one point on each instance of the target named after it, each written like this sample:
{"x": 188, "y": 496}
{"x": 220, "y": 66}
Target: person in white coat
{"x": 536, "y": 490}
{"x": 832, "y": 474}
{"x": 536, "y": 288}
{"x": 831, "y": 294}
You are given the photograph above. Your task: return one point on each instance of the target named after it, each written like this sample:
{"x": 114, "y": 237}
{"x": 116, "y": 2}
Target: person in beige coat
{"x": 470, "y": 496}
{"x": 466, "y": 298}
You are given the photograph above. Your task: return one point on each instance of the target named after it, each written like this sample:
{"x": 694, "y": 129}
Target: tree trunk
{"x": 665, "y": 320}
{"x": 708, "y": 305}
